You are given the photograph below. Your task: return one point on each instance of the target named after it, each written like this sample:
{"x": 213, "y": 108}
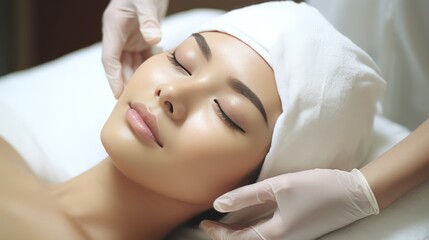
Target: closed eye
{"x": 173, "y": 60}
{"x": 227, "y": 120}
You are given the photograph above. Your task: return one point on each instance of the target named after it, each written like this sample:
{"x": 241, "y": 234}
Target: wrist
{"x": 363, "y": 183}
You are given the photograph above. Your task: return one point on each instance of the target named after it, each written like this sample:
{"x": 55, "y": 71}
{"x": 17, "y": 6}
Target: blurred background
{"x": 36, "y": 31}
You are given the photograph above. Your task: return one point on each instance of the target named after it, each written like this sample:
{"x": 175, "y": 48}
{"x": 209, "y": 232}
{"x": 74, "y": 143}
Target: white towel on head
{"x": 327, "y": 85}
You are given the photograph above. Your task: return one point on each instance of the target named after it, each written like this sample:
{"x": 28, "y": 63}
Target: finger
{"x": 147, "y": 14}
{"x": 112, "y": 44}
{"x": 245, "y": 196}
{"x": 127, "y": 66}
{"x": 116, "y": 83}
{"x": 218, "y": 231}
{"x": 112, "y": 68}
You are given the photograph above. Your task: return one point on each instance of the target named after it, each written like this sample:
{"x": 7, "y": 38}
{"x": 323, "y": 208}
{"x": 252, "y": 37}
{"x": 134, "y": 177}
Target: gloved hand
{"x": 309, "y": 204}
{"x": 130, "y": 27}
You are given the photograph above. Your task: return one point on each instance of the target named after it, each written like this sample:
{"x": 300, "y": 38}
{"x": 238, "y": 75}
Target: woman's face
{"x": 193, "y": 123}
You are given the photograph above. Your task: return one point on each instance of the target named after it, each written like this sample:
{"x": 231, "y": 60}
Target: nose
{"x": 176, "y": 98}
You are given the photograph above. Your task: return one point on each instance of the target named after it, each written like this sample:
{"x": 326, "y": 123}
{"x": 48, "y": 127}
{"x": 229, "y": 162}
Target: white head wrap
{"x": 327, "y": 85}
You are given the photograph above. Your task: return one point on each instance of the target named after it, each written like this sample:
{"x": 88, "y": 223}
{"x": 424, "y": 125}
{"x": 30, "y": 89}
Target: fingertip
{"x": 116, "y": 95}
{"x": 116, "y": 84}
{"x": 222, "y": 204}
{"x": 203, "y": 224}
{"x": 151, "y": 34}
{"x": 206, "y": 225}
{"x": 116, "y": 90}
{"x": 229, "y": 202}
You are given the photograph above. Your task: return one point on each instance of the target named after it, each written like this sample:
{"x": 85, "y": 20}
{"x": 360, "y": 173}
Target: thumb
{"x": 148, "y": 18}
{"x": 245, "y": 196}
{"x": 218, "y": 231}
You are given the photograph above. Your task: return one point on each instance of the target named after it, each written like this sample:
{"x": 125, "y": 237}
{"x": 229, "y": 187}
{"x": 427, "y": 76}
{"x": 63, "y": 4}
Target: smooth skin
{"x": 142, "y": 190}
{"x": 400, "y": 169}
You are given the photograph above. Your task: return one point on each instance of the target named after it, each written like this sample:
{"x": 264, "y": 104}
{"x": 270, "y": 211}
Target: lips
{"x": 143, "y": 123}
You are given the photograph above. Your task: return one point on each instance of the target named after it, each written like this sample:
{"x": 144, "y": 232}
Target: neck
{"x": 105, "y": 204}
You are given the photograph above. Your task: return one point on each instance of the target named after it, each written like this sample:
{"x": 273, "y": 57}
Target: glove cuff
{"x": 367, "y": 190}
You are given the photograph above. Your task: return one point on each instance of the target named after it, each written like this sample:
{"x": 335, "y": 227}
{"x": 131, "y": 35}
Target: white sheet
{"x": 53, "y": 114}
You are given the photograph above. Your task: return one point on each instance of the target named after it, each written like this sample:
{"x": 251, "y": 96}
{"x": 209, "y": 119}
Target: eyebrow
{"x": 202, "y": 44}
{"x": 241, "y": 88}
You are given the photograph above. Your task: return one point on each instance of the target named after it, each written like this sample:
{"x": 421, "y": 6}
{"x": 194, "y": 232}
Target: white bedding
{"x": 52, "y": 114}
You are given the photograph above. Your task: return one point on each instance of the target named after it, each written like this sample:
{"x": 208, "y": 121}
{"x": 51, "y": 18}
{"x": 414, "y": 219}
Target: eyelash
{"x": 173, "y": 60}
{"x": 226, "y": 119}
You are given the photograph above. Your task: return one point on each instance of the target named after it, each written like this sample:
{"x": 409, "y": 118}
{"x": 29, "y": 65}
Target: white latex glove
{"x": 130, "y": 28}
{"x": 309, "y": 204}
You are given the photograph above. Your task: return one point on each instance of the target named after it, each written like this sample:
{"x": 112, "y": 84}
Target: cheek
{"x": 203, "y": 140}
{"x": 214, "y": 160}
{"x": 154, "y": 71}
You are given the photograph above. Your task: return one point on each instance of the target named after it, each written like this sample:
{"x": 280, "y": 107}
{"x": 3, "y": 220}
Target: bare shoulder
{"x": 13, "y": 169}
{"x": 9, "y": 155}
{"x": 27, "y": 209}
